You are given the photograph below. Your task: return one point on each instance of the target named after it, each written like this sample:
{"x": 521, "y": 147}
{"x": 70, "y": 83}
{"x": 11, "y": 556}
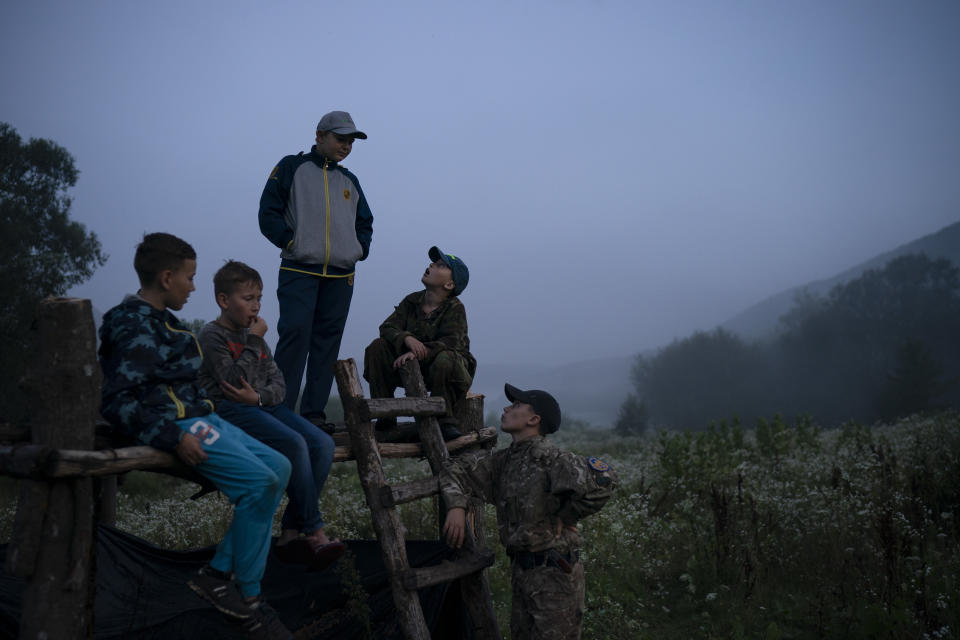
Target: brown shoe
{"x": 325, "y": 555}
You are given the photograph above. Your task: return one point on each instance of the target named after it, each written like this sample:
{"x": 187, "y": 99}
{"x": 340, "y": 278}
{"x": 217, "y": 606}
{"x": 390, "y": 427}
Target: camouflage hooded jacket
{"x": 534, "y": 485}
{"x": 150, "y": 363}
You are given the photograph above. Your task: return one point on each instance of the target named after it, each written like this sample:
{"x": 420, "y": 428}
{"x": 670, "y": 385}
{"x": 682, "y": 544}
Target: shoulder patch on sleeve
{"x": 597, "y": 464}
{"x": 273, "y": 174}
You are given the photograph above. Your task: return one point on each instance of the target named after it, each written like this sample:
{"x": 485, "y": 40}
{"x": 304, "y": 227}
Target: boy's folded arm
{"x": 218, "y": 358}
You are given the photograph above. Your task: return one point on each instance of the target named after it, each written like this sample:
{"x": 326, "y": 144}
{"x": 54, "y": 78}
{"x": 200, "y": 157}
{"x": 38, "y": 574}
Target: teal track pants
{"x": 253, "y": 476}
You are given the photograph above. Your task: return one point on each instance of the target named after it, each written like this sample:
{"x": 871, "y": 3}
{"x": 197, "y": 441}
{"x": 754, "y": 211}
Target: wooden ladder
{"x": 383, "y": 499}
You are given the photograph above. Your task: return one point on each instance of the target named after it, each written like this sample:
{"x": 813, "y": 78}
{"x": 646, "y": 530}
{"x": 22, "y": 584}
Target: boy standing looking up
{"x": 150, "y": 393}
{"x": 314, "y": 210}
{"x": 241, "y": 377}
{"x": 540, "y": 493}
{"x": 431, "y": 326}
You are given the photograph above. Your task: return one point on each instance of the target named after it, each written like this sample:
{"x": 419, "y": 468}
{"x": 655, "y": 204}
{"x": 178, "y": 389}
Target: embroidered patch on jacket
{"x": 350, "y": 280}
{"x": 597, "y": 464}
{"x": 273, "y": 174}
{"x": 346, "y": 194}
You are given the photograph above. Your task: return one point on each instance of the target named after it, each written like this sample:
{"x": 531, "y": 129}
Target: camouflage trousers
{"x": 547, "y": 603}
{"x": 444, "y": 374}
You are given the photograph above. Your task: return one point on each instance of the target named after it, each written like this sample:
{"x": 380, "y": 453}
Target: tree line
{"x": 879, "y": 347}
{"x": 44, "y": 253}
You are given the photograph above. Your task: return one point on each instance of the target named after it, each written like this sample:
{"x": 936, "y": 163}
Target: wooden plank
{"x": 431, "y": 440}
{"x": 13, "y": 433}
{"x": 447, "y": 570}
{"x": 393, "y": 495}
{"x": 386, "y": 522}
{"x": 486, "y": 437}
{"x": 38, "y": 461}
{"x": 396, "y": 407}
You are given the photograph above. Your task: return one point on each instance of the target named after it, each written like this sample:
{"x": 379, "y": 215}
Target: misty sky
{"x": 615, "y": 174}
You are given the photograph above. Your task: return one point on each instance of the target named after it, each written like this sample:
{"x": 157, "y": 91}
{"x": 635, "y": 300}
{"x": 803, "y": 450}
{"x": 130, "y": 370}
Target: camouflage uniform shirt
{"x": 445, "y": 327}
{"x": 150, "y": 363}
{"x": 534, "y": 485}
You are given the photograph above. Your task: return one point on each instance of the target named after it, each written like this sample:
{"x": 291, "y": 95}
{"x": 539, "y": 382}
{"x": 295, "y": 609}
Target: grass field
{"x": 777, "y": 531}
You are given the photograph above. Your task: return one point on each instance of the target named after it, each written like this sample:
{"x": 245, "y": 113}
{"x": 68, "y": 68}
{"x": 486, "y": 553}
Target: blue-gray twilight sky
{"x": 615, "y": 173}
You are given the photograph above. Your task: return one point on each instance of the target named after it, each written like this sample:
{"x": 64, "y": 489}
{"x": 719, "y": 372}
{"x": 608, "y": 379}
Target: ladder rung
{"x": 394, "y": 407}
{"x": 391, "y": 496}
{"x": 447, "y": 570}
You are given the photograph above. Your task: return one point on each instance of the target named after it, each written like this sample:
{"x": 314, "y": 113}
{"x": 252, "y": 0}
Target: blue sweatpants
{"x": 253, "y": 476}
{"x": 309, "y": 450}
{"x": 313, "y": 312}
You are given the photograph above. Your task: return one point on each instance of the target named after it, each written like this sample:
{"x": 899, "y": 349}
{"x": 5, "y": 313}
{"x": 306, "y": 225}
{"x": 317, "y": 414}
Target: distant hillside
{"x": 761, "y": 319}
{"x": 590, "y": 390}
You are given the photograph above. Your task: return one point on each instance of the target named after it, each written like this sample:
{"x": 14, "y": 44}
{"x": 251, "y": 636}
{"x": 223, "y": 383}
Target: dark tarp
{"x": 142, "y": 594}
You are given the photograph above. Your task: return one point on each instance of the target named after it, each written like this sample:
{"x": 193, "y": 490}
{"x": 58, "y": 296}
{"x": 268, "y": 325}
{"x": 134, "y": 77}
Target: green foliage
{"x": 44, "y": 252}
{"x": 789, "y": 531}
{"x": 700, "y": 378}
{"x": 879, "y": 347}
{"x": 632, "y": 420}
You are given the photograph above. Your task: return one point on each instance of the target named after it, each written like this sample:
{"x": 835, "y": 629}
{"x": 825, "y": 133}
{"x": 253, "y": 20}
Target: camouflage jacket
{"x": 239, "y": 355}
{"x": 534, "y": 485}
{"x": 150, "y": 363}
{"x": 445, "y": 327}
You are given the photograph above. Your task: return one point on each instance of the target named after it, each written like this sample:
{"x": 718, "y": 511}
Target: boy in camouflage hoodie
{"x": 150, "y": 363}
{"x": 540, "y": 493}
{"x": 431, "y": 326}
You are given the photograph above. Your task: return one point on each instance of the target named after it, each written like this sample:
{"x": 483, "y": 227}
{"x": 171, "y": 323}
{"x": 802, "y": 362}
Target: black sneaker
{"x": 321, "y": 423}
{"x": 264, "y": 624}
{"x": 221, "y": 591}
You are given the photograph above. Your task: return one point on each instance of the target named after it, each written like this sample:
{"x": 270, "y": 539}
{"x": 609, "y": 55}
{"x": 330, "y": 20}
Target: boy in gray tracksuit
{"x": 313, "y": 209}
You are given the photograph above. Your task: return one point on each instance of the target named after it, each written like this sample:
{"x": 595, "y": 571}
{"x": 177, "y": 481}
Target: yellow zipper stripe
{"x": 189, "y": 333}
{"x": 326, "y": 193}
{"x": 181, "y": 411}
{"x": 319, "y": 275}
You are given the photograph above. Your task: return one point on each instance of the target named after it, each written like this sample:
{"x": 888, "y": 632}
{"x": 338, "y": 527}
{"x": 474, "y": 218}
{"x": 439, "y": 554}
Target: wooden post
{"x": 386, "y": 522}
{"x": 53, "y": 538}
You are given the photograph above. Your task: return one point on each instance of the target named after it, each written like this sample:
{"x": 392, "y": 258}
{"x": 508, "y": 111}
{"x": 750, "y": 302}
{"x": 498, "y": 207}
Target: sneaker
{"x": 221, "y": 591}
{"x": 386, "y": 424}
{"x": 325, "y": 555}
{"x": 264, "y": 623}
{"x": 321, "y": 423}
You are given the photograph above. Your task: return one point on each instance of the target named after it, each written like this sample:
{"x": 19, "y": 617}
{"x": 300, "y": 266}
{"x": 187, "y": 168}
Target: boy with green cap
{"x": 431, "y": 326}
{"x": 540, "y": 493}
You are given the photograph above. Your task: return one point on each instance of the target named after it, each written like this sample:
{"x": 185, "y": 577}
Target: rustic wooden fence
{"x": 68, "y": 483}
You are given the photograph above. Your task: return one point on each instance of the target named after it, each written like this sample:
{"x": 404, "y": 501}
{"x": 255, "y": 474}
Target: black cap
{"x": 544, "y": 405}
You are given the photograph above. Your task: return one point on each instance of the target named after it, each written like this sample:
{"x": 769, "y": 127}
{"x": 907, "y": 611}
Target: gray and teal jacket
{"x": 235, "y": 356}
{"x": 150, "y": 364}
{"x": 314, "y": 210}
